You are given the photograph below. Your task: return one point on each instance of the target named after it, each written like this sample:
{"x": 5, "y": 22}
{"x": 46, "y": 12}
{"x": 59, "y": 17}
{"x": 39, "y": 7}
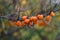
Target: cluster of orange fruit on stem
{"x": 33, "y": 20}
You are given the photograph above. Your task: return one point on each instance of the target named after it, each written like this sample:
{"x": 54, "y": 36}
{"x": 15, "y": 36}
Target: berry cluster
{"x": 33, "y": 20}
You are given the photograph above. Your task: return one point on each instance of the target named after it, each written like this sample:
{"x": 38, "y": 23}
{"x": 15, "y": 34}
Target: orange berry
{"x": 26, "y": 21}
{"x": 48, "y": 18}
{"x": 40, "y": 17}
{"x": 52, "y": 14}
{"x": 18, "y": 23}
{"x": 33, "y": 18}
{"x": 41, "y": 23}
{"x": 22, "y": 23}
{"x": 24, "y": 17}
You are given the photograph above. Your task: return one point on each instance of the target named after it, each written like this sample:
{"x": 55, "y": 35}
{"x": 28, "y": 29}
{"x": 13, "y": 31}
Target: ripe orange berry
{"x": 33, "y": 18}
{"x": 18, "y": 23}
{"x": 41, "y": 23}
{"x": 40, "y": 17}
{"x": 52, "y": 14}
{"x": 22, "y": 23}
{"x": 48, "y": 18}
{"x": 24, "y": 17}
{"x": 26, "y": 21}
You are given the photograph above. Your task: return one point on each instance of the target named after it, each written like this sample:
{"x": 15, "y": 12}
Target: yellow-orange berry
{"x": 18, "y": 23}
{"x": 40, "y": 17}
{"x": 33, "y": 18}
{"x": 22, "y": 23}
{"x": 26, "y": 21}
{"x": 52, "y": 14}
{"x": 41, "y": 23}
{"x": 24, "y": 17}
{"x": 48, "y": 18}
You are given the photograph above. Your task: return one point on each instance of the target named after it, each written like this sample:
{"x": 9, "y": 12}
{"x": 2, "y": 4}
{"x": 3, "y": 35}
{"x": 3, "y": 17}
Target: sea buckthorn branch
{"x": 26, "y": 21}
{"x": 34, "y": 19}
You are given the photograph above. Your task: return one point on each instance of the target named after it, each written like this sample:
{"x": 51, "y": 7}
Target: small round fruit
{"x": 40, "y": 17}
{"x": 26, "y": 21}
{"x": 52, "y": 14}
{"x": 41, "y": 23}
{"x": 24, "y": 17}
{"x": 48, "y": 18}
{"x": 18, "y": 23}
{"x": 33, "y": 18}
{"x": 22, "y": 23}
